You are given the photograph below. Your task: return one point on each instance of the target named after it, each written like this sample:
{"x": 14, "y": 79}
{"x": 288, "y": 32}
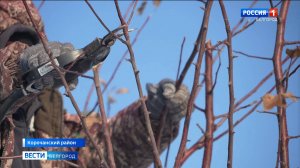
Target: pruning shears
{"x": 79, "y": 61}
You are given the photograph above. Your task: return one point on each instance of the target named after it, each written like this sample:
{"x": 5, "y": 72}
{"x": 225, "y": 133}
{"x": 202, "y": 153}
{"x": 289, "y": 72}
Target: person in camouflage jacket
{"x": 131, "y": 144}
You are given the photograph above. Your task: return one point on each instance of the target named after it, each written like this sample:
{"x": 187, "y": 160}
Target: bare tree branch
{"x": 231, "y": 86}
{"x": 180, "y": 58}
{"x": 10, "y": 157}
{"x": 282, "y": 121}
{"x": 199, "y": 108}
{"x": 245, "y": 27}
{"x": 291, "y": 42}
{"x": 278, "y": 155}
{"x": 209, "y": 114}
{"x": 267, "y": 112}
{"x": 294, "y": 137}
{"x": 225, "y": 115}
{"x": 169, "y": 145}
{"x": 218, "y": 69}
{"x": 105, "y": 125}
{"x": 288, "y": 74}
{"x": 128, "y": 9}
{"x": 271, "y": 3}
{"x": 243, "y": 18}
{"x": 200, "y": 41}
{"x": 200, "y": 143}
{"x": 138, "y": 82}
{"x": 95, "y": 13}
{"x": 41, "y": 4}
{"x": 132, "y": 12}
{"x": 251, "y": 56}
{"x": 200, "y": 128}
{"x": 87, "y": 100}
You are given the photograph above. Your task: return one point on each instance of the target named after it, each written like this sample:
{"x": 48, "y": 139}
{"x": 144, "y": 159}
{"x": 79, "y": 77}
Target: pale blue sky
{"x": 157, "y": 52}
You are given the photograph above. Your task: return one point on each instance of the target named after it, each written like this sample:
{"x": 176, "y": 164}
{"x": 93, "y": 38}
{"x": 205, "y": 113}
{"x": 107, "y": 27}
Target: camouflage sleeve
{"x": 13, "y": 12}
{"x": 131, "y": 143}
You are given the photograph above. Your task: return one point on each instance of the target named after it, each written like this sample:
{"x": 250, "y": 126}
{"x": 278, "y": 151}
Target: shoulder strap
{"x": 19, "y": 32}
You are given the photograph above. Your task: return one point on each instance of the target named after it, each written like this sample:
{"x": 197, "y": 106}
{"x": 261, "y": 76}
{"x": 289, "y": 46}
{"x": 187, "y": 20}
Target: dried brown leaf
{"x": 293, "y": 52}
{"x": 269, "y": 100}
{"x": 290, "y": 96}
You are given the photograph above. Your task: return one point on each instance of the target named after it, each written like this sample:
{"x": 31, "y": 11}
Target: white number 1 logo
{"x": 273, "y": 12}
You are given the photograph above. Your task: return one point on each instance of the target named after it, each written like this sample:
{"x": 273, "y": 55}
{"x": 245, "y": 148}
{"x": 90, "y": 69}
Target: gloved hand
{"x": 164, "y": 94}
{"x": 35, "y": 56}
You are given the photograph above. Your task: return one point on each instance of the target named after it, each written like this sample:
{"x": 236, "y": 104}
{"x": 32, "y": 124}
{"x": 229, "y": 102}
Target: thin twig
{"x": 105, "y": 125}
{"x": 294, "y": 71}
{"x": 10, "y": 157}
{"x": 126, "y": 52}
{"x": 245, "y": 106}
{"x": 231, "y": 86}
{"x": 97, "y": 16}
{"x": 41, "y": 4}
{"x": 87, "y": 100}
{"x": 71, "y": 163}
{"x": 267, "y": 112}
{"x": 201, "y": 42}
{"x": 200, "y": 143}
{"x": 132, "y": 12}
{"x": 282, "y": 121}
{"x": 294, "y": 137}
{"x": 169, "y": 145}
{"x": 62, "y": 77}
{"x": 278, "y": 3}
{"x": 252, "y": 91}
{"x": 287, "y": 75}
{"x": 218, "y": 69}
{"x": 138, "y": 82}
{"x": 245, "y": 27}
{"x": 164, "y": 112}
{"x": 120, "y": 61}
{"x": 243, "y": 18}
{"x": 271, "y": 3}
{"x": 128, "y": 9}
{"x": 251, "y": 56}
{"x": 225, "y": 115}
{"x": 180, "y": 58}
{"x": 102, "y": 23}
{"x": 75, "y": 73}
{"x": 291, "y": 42}
{"x": 209, "y": 114}
{"x": 199, "y": 108}
{"x": 200, "y": 128}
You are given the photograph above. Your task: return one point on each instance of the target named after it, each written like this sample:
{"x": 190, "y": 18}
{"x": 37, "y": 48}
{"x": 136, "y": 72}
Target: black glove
{"x": 164, "y": 94}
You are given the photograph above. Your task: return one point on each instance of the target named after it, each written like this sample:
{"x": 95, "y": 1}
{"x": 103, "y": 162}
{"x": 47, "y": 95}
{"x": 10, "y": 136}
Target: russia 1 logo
{"x": 273, "y": 12}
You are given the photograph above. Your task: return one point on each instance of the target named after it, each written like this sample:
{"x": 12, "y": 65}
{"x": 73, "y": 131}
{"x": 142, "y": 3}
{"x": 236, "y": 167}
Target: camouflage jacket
{"x": 129, "y": 137}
